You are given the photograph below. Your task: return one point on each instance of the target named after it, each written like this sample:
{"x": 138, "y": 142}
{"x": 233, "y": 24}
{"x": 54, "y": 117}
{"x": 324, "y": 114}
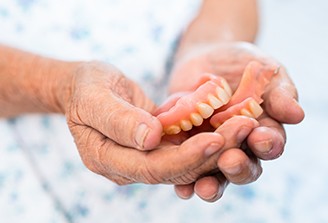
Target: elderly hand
{"x": 109, "y": 118}
{"x": 117, "y": 137}
{"x": 268, "y": 139}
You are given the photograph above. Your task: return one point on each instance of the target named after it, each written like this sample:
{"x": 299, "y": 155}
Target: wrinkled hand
{"x": 267, "y": 140}
{"x": 119, "y": 139}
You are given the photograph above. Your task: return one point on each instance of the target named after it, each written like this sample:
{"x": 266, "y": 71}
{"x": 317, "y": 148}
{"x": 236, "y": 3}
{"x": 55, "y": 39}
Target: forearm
{"x": 219, "y": 21}
{"x": 32, "y": 84}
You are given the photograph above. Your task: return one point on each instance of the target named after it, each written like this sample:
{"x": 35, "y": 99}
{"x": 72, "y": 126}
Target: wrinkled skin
{"x": 103, "y": 111}
{"x": 267, "y": 140}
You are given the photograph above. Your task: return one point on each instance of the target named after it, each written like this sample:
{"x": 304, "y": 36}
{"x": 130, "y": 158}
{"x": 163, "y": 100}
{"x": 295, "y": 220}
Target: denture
{"x": 249, "y": 107}
{"x": 191, "y": 109}
{"x": 212, "y": 98}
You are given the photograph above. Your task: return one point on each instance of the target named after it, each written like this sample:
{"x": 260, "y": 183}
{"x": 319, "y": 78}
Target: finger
{"x": 181, "y": 164}
{"x": 238, "y": 168}
{"x": 184, "y": 191}
{"x": 280, "y": 100}
{"x": 134, "y": 127}
{"x": 168, "y": 164}
{"x": 267, "y": 141}
{"x": 235, "y": 130}
{"x": 211, "y": 188}
{"x": 122, "y": 122}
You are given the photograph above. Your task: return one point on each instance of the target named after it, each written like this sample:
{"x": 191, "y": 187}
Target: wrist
{"x": 57, "y": 84}
{"x": 219, "y": 22}
{"x": 33, "y": 84}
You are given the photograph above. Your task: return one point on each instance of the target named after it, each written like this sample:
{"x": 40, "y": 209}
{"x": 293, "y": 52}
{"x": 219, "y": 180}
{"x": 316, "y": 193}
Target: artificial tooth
{"x": 185, "y": 125}
{"x": 172, "y": 130}
{"x": 204, "y": 110}
{"x": 255, "y": 109}
{"x": 216, "y": 125}
{"x": 226, "y": 87}
{"x": 247, "y": 113}
{"x": 214, "y": 101}
{"x": 196, "y": 119}
{"x": 222, "y": 95}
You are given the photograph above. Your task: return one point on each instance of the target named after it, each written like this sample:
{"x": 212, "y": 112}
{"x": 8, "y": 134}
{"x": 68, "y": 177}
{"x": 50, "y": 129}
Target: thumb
{"x": 281, "y": 100}
{"x": 124, "y": 123}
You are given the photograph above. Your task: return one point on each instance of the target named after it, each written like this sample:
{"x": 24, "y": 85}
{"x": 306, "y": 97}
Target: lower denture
{"x": 249, "y": 107}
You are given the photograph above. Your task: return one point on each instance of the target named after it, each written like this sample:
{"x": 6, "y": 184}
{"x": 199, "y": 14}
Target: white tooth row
{"x": 214, "y": 102}
{"x": 195, "y": 119}
{"x": 204, "y": 110}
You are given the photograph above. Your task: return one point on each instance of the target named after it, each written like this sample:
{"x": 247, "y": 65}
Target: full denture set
{"x": 213, "y": 99}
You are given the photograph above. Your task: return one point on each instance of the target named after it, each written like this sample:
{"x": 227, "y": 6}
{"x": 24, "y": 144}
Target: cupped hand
{"x": 268, "y": 139}
{"x": 229, "y": 60}
{"x": 117, "y": 137}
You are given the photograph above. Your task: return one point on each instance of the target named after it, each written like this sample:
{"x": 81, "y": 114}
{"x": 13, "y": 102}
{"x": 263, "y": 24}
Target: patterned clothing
{"x": 42, "y": 178}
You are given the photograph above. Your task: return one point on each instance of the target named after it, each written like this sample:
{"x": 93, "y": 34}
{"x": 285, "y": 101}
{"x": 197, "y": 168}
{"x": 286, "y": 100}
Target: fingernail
{"x": 233, "y": 170}
{"x": 141, "y": 134}
{"x": 263, "y": 146}
{"x": 212, "y": 197}
{"x": 213, "y": 148}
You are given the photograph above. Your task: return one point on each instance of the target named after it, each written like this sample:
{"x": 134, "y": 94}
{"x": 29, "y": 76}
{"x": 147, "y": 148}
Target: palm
{"x": 228, "y": 61}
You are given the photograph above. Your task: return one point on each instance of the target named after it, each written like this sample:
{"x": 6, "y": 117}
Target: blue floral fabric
{"x": 42, "y": 178}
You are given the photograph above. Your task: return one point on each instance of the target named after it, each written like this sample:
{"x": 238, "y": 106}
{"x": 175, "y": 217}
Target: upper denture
{"x": 213, "y": 98}
{"x": 196, "y": 106}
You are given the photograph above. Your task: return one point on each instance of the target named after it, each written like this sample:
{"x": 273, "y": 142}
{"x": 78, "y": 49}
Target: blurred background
{"x": 41, "y": 176}
{"x": 295, "y": 32}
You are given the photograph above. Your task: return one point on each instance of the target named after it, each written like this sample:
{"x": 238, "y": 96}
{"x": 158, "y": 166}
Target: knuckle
{"x": 91, "y": 164}
{"x": 120, "y": 125}
{"x": 122, "y": 87}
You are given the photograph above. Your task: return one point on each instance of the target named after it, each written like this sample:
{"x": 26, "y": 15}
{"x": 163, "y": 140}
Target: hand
{"x": 105, "y": 110}
{"x": 266, "y": 141}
